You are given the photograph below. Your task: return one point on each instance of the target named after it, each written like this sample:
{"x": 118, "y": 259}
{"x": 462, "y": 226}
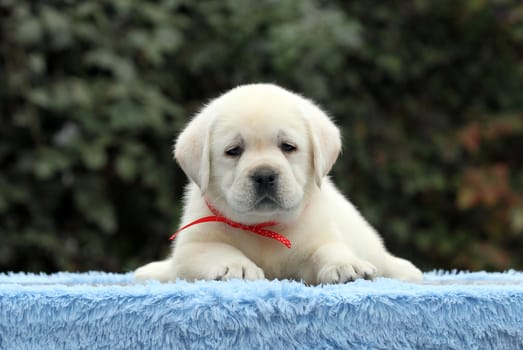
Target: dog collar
{"x": 259, "y": 229}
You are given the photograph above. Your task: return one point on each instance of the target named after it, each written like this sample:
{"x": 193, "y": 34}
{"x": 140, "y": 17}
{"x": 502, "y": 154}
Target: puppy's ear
{"x": 325, "y": 140}
{"x": 192, "y": 149}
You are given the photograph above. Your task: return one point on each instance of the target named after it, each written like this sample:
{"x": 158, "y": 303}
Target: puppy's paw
{"x": 235, "y": 270}
{"x": 346, "y": 271}
{"x": 158, "y": 270}
{"x": 404, "y": 270}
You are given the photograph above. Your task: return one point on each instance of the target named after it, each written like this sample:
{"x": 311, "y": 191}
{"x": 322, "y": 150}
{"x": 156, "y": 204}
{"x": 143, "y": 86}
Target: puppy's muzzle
{"x": 265, "y": 181}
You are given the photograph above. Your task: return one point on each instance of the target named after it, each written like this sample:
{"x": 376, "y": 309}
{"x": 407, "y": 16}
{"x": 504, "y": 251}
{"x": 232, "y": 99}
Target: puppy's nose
{"x": 264, "y": 179}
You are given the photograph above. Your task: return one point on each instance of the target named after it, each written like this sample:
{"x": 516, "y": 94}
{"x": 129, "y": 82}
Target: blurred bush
{"x": 429, "y": 95}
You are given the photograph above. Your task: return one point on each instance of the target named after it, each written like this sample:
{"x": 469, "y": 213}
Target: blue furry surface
{"x": 111, "y": 311}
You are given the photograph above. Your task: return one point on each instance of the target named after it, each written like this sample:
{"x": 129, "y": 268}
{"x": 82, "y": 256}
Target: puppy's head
{"x": 256, "y": 152}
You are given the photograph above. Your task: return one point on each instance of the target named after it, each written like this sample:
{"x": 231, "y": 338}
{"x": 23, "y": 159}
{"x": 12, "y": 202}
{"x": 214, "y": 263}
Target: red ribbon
{"x": 259, "y": 229}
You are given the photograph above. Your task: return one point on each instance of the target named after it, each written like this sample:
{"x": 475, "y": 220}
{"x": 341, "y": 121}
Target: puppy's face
{"x": 260, "y": 161}
{"x": 257, "y": 151}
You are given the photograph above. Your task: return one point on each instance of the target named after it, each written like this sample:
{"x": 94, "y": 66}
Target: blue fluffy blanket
{"x": 111, "y": 311}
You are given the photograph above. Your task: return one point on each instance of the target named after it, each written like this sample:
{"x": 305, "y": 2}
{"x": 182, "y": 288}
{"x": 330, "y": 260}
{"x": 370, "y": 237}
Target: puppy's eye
{"x": 235, "y": 151}
{"x": 287, "y": 147}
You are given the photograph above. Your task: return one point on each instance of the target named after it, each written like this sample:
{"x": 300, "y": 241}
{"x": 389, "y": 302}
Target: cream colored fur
{"x": 331, "y": 241}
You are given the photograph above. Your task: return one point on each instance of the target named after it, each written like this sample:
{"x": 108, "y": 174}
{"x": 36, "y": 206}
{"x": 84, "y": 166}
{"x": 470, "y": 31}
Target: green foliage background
{"x": 429, "y": 95}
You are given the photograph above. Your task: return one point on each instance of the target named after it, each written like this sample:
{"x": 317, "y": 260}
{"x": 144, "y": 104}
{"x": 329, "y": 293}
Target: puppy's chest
{"x": 276, "y": 260}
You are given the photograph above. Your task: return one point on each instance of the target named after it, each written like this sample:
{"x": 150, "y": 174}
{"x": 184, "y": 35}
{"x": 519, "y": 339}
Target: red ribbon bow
{"x": 259, "y": 229}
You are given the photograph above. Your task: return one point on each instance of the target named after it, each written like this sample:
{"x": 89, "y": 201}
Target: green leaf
{"x": 126, "y": 167}
{"x": 122, "y": 68}
{"x": 90, "y": 199}
{"x": 49, "y": 162}
{"x": 57, "y": 25}
{"x": 29, "y": 31}
{"x": 516, "y": 220}
{"x": 94, "y": 156}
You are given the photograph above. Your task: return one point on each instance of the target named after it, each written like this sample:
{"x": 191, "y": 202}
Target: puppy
{"x": 258, "y": 158}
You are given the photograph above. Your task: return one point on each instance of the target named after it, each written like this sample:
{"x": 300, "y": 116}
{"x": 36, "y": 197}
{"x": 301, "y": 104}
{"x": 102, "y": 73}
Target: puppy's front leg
{"x": 336, "y": 263}
{"x": 213, "y": 261}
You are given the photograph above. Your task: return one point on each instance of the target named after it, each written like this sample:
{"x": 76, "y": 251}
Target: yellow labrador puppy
{"x": 258, "y": 158}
